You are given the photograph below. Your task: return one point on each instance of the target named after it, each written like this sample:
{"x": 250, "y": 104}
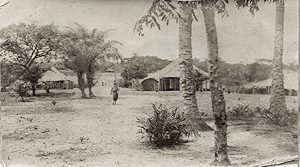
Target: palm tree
{"x": 277, "y": 101}
{"x": 187, "y": 82}
{"x": 217, "y": 97}
{"x": 83, "y": 49}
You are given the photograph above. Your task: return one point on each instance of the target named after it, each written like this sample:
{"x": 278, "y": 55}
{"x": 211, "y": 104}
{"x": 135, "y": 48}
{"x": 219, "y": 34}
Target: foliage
{"x": 134, "y": 70}
{"x": 159, "y": 8}
{"x": 151, "y": 63}
{"x": 33, "y": 75}
{"x": 7, "y": 73}
{"x": 242, "y": 111}
{"x": 24, "y": 44}
{"x": 124, "y": 83}
{"x": 252, "y": 4}
{"x": 166, "y": 11}
{"x": 83, "y": 48}
{"x": 239, "y": 74}
{"x": 22, "y": 91}
{"x": 281, "y": 118}
{"x": 165, "y": 126}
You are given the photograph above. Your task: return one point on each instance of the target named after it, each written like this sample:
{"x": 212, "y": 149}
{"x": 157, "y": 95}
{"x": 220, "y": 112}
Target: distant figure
{"x": 114, "y": 92}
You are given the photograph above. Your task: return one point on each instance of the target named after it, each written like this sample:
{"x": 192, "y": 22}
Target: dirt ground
{"x": 93, "y": 132}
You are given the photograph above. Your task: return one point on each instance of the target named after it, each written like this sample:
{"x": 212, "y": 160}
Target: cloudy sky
{"x": 242, "y": 38}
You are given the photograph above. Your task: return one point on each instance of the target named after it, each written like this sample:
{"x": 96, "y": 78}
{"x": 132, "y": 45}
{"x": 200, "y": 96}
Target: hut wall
{"x": 169, "y": 84}
{"x": 149, "y": 85}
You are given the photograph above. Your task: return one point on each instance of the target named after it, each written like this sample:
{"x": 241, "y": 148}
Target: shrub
{"x": 282, "y": 118}
{"x": 242, "y": 111}
{"x": 165, "y": 127}
{"x": 22, "y": 91}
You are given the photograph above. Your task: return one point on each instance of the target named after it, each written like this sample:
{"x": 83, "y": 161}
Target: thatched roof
{"x": 54, "y": 75}
{"x": 290, "y": 81}
{"x": 171, "y": 70}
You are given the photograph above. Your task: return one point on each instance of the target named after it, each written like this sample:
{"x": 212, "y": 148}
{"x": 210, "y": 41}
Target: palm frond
{"x": 166, "y": 11}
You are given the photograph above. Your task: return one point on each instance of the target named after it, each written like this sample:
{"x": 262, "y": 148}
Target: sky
{"x": 242, "y": 38}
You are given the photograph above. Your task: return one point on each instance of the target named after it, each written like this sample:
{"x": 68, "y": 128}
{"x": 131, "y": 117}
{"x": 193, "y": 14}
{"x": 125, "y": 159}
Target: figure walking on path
{"x": 114, "y": 92}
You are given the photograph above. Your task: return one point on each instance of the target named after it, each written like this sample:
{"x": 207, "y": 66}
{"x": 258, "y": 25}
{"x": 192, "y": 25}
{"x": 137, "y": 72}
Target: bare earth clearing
{"x": 93, "y": 132}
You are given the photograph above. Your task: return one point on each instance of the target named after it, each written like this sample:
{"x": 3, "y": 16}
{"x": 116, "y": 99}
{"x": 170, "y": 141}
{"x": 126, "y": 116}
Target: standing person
{"x": 114, "y": 92}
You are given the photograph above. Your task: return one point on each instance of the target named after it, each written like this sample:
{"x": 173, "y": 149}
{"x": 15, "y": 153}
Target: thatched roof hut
{"x": 166, "y": 78}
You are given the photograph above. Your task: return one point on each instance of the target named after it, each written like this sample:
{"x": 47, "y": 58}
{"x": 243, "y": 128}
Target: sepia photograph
{"x": 149, "y": 83}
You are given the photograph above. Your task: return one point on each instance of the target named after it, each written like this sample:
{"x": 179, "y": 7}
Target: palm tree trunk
{"x": 217, "y": 97}
{"x": 187, "y": 82}
{"x": 277, "y": 101}
{"x": 90, "y": 79}
{"x": 81, "y": 84}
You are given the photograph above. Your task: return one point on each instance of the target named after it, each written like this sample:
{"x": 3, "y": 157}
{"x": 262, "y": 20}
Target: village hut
{"x": 264, "y": 87}
{"x": 166, "y": 79}
{"x": 57, "y": 79}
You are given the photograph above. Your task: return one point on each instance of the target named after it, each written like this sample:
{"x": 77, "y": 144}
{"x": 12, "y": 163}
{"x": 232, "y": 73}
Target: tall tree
{"x": 187, "y": 80}
{"x": 216, "y": 88}
{"x": 28, "y": 44}
{"x": 168, "y": 12}
{"x": 83, "y": 50}
{"x": 277, "y": 101}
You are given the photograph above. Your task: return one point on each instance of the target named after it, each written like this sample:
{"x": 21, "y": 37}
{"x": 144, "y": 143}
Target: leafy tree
{"x": 134, "y": 71}
{"x": 151, "y": 63}
{"x": 27, "y": 44}
{"x": 257, "y": 71}
{"x": 33, "y": 75}
{"x": 7, "y": 73}
{"x": 83, "y": 51}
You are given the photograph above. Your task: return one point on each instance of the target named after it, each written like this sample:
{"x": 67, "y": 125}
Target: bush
{"x": 282, "y": 118}
{"x": 242, "y": 111}
{"x": 165, "y": 127}
{"x": 124, "y": 83}
{"x": 22, "y": 91}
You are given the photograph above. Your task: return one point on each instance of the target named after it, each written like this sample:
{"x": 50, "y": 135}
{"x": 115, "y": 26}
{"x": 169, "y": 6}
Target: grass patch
{"x": 46, "y": 109}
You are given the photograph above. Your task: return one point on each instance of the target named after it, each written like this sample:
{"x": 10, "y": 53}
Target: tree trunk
{"x": 277, "y": 101}
{"x": 187, "y": 82}
{"x": 81, "y": 84}
{"x": 90, "y": 79}
{"x": 217, "y": 97}
{"x": 33, "y": 88}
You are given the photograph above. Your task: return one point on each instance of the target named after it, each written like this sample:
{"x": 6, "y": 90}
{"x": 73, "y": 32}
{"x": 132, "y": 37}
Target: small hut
{"x": 57, "y": 79}
{"x": 168, "y": 78}
{"x": 264, "y": 87}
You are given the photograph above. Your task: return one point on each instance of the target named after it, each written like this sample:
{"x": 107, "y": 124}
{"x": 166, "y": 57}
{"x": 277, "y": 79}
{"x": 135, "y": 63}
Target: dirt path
{"x": 93, "y": 132}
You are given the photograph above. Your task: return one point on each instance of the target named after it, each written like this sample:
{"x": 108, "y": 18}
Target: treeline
{"x": 149, "y": 64}
{"x": 240, "y": 74}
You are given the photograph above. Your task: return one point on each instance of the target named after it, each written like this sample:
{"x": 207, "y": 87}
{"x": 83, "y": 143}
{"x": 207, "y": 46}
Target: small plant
{"x": 22, "y": 91}
{"x": 282, "y": 118}
{"x": 241, "y": 111}
{"x": 165, "y": 126}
